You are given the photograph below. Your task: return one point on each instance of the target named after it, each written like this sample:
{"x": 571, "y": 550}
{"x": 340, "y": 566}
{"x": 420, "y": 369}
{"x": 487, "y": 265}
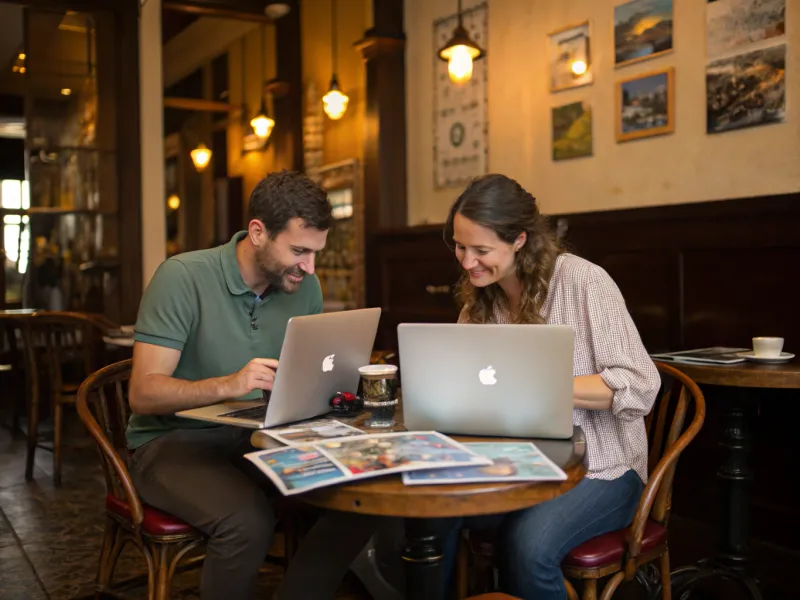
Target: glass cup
{"x": 379, "y": 391}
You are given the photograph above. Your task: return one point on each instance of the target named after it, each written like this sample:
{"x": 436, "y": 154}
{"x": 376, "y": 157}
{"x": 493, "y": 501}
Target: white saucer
{"x": 762, "y": 359}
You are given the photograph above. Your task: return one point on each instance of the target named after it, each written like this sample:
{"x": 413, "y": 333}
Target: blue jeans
{"x": 532, "y": 543}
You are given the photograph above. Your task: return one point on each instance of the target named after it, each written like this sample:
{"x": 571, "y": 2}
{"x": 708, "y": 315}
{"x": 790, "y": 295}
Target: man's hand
{"x": 258, "y": 374}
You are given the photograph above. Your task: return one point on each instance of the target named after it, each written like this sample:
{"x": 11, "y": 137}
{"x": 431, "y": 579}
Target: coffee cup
{"x": 767, "y": 347}
{"x": 379, "y": 392}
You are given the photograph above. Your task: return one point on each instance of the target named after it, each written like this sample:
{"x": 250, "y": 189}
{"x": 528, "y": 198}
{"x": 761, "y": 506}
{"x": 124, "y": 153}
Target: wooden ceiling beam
{"x": 198, "y": 104}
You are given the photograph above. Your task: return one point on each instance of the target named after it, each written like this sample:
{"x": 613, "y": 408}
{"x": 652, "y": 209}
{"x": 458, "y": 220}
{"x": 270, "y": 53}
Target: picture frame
{"x": 565, "y": 46}
{"x": 642, "y": 29}
{"x": 571, "y": 131}
{"x": 645, "y": 105}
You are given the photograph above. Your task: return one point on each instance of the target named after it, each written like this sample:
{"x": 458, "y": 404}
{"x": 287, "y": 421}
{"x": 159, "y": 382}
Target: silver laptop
{"x": 321, "y": 355}
{"x": 487, "y": 380}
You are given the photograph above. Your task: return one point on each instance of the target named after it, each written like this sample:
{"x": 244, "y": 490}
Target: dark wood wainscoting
{"x": 692, "y": 275}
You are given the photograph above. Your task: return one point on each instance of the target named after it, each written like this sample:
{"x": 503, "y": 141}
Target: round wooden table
{"x": 736, "y": 473}
{"x": 422, "y": 552}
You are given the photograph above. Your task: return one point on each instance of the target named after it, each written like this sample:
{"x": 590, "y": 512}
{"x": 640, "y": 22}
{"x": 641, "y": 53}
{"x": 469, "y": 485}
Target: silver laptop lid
{"x": 495, "y": 380}
{"x": 321, "y": 355}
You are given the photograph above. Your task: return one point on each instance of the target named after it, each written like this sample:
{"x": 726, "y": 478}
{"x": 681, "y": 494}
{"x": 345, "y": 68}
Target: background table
{"x": 388, "y": 496}
{"x": 736, "y": 473}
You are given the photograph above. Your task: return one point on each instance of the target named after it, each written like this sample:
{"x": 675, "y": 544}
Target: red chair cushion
{"x": 609, "y": 548}
{"x": 155, "y": 522}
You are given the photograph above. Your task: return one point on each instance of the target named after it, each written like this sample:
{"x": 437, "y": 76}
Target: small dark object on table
{"x": 346, "y": 404}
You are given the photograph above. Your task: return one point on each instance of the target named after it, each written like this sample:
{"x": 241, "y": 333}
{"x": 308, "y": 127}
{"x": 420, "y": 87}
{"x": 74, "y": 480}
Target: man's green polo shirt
{"x": 198, "y": 303}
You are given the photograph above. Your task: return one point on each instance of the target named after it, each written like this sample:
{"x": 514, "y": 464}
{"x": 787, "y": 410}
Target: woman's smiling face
{"x": 486, "y": 257}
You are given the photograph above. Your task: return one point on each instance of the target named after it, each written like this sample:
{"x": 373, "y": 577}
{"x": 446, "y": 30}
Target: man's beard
{"x": 276, "y": 275}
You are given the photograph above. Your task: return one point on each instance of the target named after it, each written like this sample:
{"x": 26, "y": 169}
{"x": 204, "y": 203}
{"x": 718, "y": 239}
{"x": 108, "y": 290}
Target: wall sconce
{"x": 460, "y": 52}
{"x": 173, "y": 202}
{"x": 201, "y": 156}
{"x": 579, "y": 61}
{"x": 334, "y": 103}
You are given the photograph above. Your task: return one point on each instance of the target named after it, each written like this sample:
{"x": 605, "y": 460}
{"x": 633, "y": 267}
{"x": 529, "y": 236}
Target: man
{"x": 210, "y": 327}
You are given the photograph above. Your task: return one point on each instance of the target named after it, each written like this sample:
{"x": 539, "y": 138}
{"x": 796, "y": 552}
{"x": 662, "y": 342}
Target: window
{"x": 15, "y": 195}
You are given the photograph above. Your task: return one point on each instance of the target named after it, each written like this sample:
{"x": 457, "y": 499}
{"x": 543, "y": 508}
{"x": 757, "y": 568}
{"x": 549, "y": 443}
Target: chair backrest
{"x": 67, "y": 335}
{"x": 668, "y": 435}
{"x": 103, "y": 407}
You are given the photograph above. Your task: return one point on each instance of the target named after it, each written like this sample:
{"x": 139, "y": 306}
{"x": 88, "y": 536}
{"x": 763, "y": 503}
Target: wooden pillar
{"x": 287, "y": 92}
{"x": 383, "y": 49}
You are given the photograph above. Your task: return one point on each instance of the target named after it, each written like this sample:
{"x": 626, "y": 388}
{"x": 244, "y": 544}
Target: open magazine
{"x": 309, "y": 432}
{"x": 716, "y": 355}
{"x": 511, "y": 461}
{"x": 300, "y": 468}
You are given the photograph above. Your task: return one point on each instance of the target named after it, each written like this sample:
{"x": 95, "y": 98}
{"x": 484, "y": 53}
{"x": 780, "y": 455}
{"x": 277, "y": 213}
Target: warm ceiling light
{"x": 22, "y": 69}
{"x": 22, "y": 56}
{"x": 335, "y": 102}
{"x": 201, "y": 156}
{"x": 579, "y": 67}
{"x": 173, "y": 202}
{"x": 66, "y": 92}
{"x": 460, "y": 52}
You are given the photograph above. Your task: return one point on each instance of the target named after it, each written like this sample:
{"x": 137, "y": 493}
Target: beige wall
{"x": 344, "y": 139}
{"x": 687, "y": 166}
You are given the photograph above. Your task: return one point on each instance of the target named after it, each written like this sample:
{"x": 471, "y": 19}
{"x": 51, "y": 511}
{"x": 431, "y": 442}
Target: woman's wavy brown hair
{"x": 504, "y": 206}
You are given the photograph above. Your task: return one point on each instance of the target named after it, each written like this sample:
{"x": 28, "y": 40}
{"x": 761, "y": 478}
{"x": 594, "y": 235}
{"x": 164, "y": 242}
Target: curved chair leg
{"x": 589, "y": 589}
{"x": 105, "y": 567}
{"x": 571, "y": 593}
{"x": 58, "y": 424}
{"x": 612, "y": 585}
{"x": 663, "y": 565}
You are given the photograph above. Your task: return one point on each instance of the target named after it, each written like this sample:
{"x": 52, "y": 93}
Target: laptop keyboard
{"x": 256, "y": 413}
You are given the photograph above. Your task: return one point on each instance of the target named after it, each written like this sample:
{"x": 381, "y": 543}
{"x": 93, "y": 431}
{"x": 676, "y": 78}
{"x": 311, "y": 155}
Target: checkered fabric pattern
{"x": 583, "y": 296}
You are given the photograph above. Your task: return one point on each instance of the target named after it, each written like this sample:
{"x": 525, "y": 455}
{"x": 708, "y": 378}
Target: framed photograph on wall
{"x": 746, "y": 90}
{"x": 645, "y": 105}
{"x": 732, "y": 25}
{"x": 569, "y": 57}
{"x": 643, "y": 29}
{"x": 572, "y": 130}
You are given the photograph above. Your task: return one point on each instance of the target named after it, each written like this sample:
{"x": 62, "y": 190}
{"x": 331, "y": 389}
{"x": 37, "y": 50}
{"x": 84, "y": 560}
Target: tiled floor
{"x": 50, "y": 538}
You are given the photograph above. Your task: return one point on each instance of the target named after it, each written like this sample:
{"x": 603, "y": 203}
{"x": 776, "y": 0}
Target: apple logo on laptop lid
{"x": 327, "y": 363}
{"x": 487, "y": 375}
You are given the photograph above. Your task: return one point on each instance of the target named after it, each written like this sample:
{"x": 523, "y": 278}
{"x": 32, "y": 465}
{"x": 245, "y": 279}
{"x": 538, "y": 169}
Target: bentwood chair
{"x": 620, "y": 554}
{"x": 62, "y": 348}
{"x": 164, "y": 541}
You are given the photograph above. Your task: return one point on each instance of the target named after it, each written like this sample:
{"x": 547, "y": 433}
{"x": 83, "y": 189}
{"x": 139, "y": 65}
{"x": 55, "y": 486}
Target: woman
{"x": 516, "y": 272}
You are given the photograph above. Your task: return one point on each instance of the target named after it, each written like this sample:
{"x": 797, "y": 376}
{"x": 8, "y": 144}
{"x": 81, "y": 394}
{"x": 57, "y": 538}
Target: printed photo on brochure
{"x": 309, "y": 432}
{"x": 511, "y": 461}
{"x": 297, "y": 469}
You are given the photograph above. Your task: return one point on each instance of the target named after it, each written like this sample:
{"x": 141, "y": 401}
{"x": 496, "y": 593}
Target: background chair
{"x": 62, "y": 349}
{"x": 621, "y": 553}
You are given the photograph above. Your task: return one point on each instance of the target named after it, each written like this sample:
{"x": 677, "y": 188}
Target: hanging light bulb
{"x": 173, "y": 202}
{"x": 460, "y": 52}
{"x": 335, "y": 102}
{"x": 201, "y": 156}
{"x": 261, "y": 123}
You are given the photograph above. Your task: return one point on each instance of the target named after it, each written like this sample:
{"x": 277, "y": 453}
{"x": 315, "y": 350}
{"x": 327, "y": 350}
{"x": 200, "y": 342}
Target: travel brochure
{"x": 717, "y": 355}
{"x": 304, "y": 467}
{"x": 308, "y": 432}
{"x": 511, "y": 461}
